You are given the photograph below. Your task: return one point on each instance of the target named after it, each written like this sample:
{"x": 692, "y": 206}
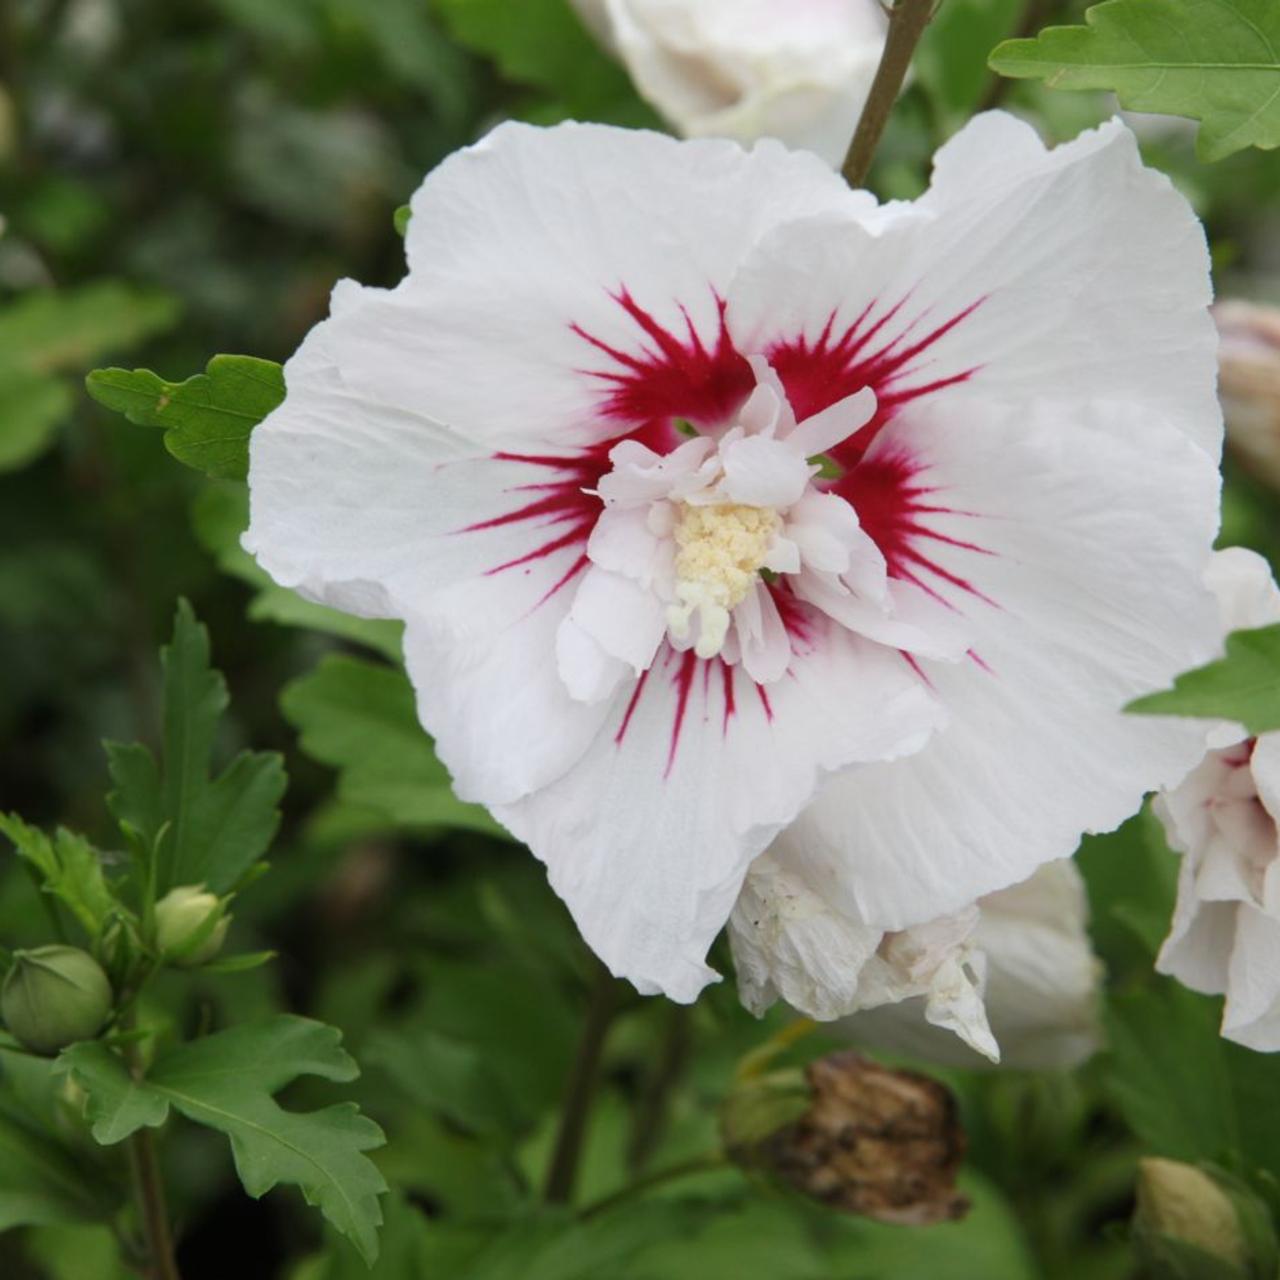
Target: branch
{"x": 907, "y": 21}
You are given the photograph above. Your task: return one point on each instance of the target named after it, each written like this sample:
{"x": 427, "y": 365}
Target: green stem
{"x": 149, "y": 1188}
{"x": 686, "y": 1168}
{"x": 668, "y": 1067}
{"x": 148, "y": 1183}
{"x": 907, "y": 21}
{"x": 579, "y": 1089}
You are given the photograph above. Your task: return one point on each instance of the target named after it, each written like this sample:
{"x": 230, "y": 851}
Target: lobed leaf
{"x": 225, "y": 1081}
{"x": 70, "y": 868}
{"x": 204, "y": 829}
{"x": 359, "y": 718}
{"x": 1216, "y": 61}
{"x": 1243, "y": 686}
{"x": 208, "y": 418}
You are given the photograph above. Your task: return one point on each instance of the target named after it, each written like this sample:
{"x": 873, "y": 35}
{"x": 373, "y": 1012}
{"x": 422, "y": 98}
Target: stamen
{"x": 722, "y": 549}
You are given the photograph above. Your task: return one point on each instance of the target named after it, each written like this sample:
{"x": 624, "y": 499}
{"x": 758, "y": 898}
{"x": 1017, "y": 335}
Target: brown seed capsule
{"x": 883, "y": 1143}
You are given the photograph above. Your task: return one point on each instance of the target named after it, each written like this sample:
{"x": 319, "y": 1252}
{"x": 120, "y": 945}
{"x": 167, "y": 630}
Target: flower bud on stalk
{"x": 191, "y": 925}
{"x": 1194, "y": 1224}
{"x": 855, "y": 1135}
{"x": 54, "y": 996}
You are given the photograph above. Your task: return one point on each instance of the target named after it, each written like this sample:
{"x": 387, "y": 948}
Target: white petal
{"x": 833, "y": 424}
{"x": 492, "y": 696}
{"x": 908, "y": 620}
{"x": 623, "y": 617}
{"x": 624, "y": 541}
{"x": 377, "y": 511}
{"x": 589, "y": 673}
{"x": 1096, "y": 533}
{"x": 1024, "y": 275}
{"x": 761, "y": 472}
{"x": 1247, "y": 593}
{"x": 524, "y": 243}
{"x": 1042, "y": 979}
{"x": 789, "y": 945}
{"x": 763, "y": 643}
{"x": 1252, "y": 1014}
{"x": 825, "y": 528}
{"x": 648, "y": 838}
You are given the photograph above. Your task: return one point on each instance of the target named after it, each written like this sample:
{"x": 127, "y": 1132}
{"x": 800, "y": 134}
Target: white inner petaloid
{"x": 690, "y": 544}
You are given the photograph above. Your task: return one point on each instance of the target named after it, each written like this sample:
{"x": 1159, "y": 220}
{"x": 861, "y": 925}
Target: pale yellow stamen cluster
{"x": 721, "y": 551}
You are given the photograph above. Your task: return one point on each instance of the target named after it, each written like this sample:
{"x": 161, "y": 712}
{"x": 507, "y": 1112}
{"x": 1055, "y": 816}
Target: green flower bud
{"x": 191, "y": 925}
{"x": 54, "y": 996}
{"x": 1200, "y": 1224}
{"x": 854, "y": 1135}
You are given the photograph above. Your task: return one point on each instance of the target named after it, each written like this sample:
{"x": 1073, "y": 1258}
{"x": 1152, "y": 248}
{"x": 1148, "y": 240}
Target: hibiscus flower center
{"x": 722, "y": 549}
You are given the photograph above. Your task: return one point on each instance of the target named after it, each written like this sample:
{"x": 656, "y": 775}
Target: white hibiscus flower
{"x": 1224, "y": 818}
{"x": 749, "y": 69}
{"x": 1012, "y": 977}
{"x": 577, "y": 451}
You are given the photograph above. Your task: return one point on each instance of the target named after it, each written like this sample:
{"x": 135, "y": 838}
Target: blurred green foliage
{"x": 221, "y": 163}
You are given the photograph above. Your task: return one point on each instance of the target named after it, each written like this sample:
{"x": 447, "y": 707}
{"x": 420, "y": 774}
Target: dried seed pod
{"x": 883, "y": 1143}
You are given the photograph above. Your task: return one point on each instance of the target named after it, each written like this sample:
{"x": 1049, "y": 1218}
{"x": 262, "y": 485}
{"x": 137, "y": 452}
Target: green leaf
{"x": 1216, "y": 61}
{"x": 1188, "y": 1093}
{"x": 117, "y": 1105}
{"x": 43, "y": 1182}
{"x": 359, "y": 718}
{"x": 225, "y": 1081}
{"x": 951, "y": 62}
{"x": 49, "y": 332}
{"x": 208, "y": 418}
{"x": 445, "y": 1075}
{"x": 400, "y": 219}
{"x": 1243, "y": 686}
{"x": 220, "y": 514}
{"x": 204, "y": 829}
{"x": 1168, "y": 1073}
{"x": 32, "y": 406}
{"x": 45, "y": 1178}
{"x": 543, "y": 44}
{"x": 70, "y": 868}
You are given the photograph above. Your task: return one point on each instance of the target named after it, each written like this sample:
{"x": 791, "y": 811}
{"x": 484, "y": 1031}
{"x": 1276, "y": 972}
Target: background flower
{"x": 749, "y": 69}
{"x": 1224, "y": 818}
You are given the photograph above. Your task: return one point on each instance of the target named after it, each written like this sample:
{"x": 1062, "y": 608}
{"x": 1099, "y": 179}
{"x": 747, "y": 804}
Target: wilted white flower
{"x": 1013, "y": 976}
{"x": 1223, "y": 819}
{"x": 699, "y": 478}
{"x": 749, "y": 69}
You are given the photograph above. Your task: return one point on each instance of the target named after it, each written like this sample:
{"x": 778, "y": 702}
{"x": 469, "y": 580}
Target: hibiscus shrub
{"x": 648, "y": 663}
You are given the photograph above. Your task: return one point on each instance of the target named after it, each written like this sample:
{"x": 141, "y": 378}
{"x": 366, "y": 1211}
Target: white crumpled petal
{"x": 1011, "y": 979}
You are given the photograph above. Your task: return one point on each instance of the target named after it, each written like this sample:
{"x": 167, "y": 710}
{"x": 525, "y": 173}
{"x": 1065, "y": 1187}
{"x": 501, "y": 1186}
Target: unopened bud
{"x": 191, "y": 925}
{"x": 1197, "y": 1224}
{"x": 54, "y": 996}
{"x": 1249, "y": 383}
{"x": 855, "y": 1135}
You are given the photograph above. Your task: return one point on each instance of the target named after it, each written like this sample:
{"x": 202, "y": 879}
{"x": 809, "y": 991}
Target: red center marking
{"x": 663, "y": 376}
